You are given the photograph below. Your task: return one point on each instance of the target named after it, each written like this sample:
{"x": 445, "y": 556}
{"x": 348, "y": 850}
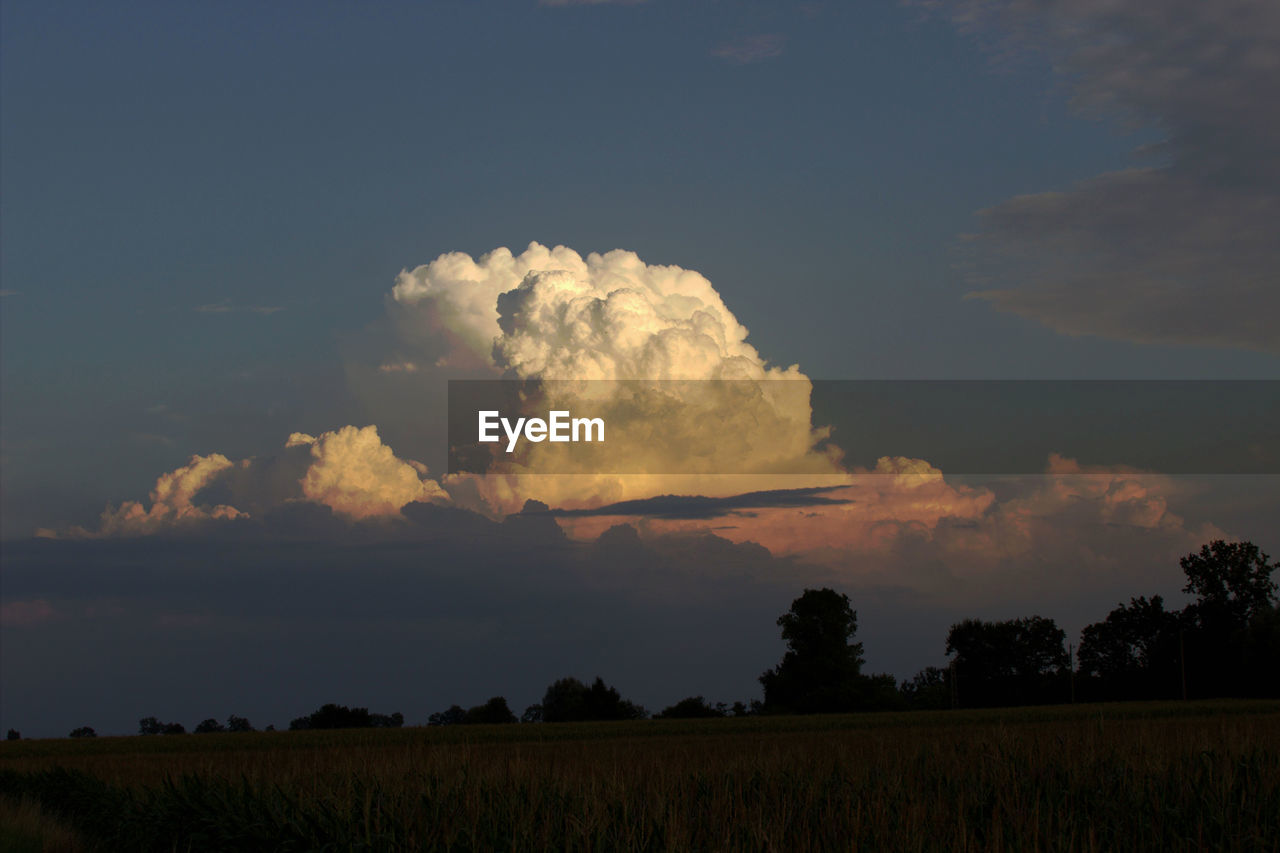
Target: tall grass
{"x": 1101, "y": 778}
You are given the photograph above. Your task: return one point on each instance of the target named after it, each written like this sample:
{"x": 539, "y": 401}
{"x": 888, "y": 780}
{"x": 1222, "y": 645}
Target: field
{"x": 1154, "y": 776}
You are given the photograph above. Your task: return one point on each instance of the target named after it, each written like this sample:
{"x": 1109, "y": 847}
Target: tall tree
{"x": 1234, "y": 593}
{"x": 1231, "y": 580}
{"x": 1135, "y": 653}
{"x": 822, "y": 668}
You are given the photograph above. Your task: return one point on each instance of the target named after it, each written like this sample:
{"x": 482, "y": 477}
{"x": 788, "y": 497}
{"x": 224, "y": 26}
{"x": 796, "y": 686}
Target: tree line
{"x": 1224, "y": 643}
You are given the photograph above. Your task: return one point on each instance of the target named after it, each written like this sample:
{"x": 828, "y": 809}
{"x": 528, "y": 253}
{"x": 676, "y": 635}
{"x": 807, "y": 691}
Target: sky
{"x": 246, "y": 246}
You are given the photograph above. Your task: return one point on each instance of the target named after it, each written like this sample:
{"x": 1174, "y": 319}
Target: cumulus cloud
{"x": 639, "y": 343}
{"x": 349, "y": 470}
{"x": 172, "y": 500}
{"x": 356, "y": 475}
{"x": 633, "y": 342}
{"x": 550, "y": 313}
{"x": 903, "y": 523}
{"x": 1181, "y": 252}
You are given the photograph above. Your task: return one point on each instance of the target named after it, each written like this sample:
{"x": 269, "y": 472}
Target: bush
{"x": 569, "y": 700}
{"x": 332, "y": 716}
{"x": 693, "y": 707}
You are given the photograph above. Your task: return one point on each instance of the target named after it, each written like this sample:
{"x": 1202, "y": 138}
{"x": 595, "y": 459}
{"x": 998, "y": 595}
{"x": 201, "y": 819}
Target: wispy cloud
{"x": 1183, "y": 252}
{"x": 226, "y": 307}
{"x": 749, "y": 49}
{"x": 10, "y": 293}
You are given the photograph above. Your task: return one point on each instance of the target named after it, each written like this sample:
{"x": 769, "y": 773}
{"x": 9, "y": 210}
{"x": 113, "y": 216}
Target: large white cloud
{"x": 550, "y": 313}
{"x": 553, "y": 314}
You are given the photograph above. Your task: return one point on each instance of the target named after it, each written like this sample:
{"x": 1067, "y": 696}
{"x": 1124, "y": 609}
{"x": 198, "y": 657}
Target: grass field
{"x": 1156, "y": 776}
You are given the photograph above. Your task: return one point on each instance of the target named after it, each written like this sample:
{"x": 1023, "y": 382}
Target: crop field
{"x": 1151, "y": 776}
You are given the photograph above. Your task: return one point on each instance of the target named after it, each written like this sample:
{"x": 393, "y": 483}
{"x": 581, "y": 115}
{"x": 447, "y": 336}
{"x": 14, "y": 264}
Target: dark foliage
{"x": 821, "y": 671}
{"x": 1134, "y": 653}
{"x": 928, "y": 690}
{"x": 238, "y": 724}
{"x": 1229, "y": 649}
{"x": 693, "y": 707}
{"x": 332, "y": 716}
{"x": 1225, "y": 643}
{"x": 452, "y": 716}
{"x": 493, "y": 712}
{"x": 83, "y": 731}
{"x": 1016, "y": 662}
{"x": 152, "y": 726}
{"x": 569, "y": 700}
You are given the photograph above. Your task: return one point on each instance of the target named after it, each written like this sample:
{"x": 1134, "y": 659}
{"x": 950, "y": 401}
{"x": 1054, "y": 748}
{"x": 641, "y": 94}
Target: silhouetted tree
{"x": 153, "y": 726}
{"x": 13, "y": 734}
{"x": 1231, "y": 579}
{"x": 1260, "y": 653}
{"x": 493, "y": 712}
{"x": 453, "y": 716}
{"x": 1233, "y": 588}
{"x": 822, "y": 668}
{"x": 209, "y": 726}
{"x": 1132, "y": 654}
{"x": 569, "y": 700}
{"x": 532, "y": 714}
{"x": 1017, "y": 662}
{"x": 332, "y": 716}
{"x": 928, "y": 690}
{"x": 690, "y": 708}
{"x": 879, "y": 692}
{"x": 83, "y": 731}
{"x": 238, "y": 724}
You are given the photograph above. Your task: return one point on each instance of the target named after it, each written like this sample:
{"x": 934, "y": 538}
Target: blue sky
{"x": 163, "y": 157}
{"x": 205, "y": 205}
